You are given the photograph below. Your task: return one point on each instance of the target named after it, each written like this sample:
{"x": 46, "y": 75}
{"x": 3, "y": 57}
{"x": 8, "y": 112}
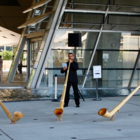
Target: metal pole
{"x": 99, "y": 12}
{"x": 28, "y": 58}
{"x": 55, "y": 94}
{"x": 97, "y": 97}
{"x": 92, "y": 56}
{"x": 1, "y": 74}
{"x": 95, "y": 30}
{"x": 19, "y": 51}
{"x": 46, "y": 44}
{"x": 97, "y": 42}
{"x": 55, "y": 87}
{"x": 42, "y": 12}
{"x": 97, "y": 89}
{"x": 134, "y": 71}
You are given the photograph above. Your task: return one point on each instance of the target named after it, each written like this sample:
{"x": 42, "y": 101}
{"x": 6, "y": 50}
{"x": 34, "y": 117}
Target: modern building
{"x": 110, "y": 31}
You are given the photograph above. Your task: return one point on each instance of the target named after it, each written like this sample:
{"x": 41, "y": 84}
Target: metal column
{"x": 15, "y": 62}
{"x": 47, "y": 41}
{"x": 134, "y": 71}
{"x": 19, "y": 51}
{"x": 28, "y": 58}
{"x": 62, "y": 8}
{"x": 93, "y": 54}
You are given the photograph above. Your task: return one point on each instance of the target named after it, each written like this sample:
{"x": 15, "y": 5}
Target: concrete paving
{"x": 84, "y": 123}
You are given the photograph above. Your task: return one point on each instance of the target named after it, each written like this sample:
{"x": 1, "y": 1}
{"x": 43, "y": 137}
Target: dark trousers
{"x": 75, "y": 89}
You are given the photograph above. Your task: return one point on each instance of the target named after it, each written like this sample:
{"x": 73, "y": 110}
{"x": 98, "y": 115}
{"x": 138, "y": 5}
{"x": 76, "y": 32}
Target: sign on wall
{"x": 105, "y": 56}
{"x": 97, "y": 72}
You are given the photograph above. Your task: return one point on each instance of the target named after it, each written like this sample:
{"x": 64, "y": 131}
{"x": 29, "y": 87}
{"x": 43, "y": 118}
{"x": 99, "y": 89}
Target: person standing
{"x": 1, "y": 68}
{"x": 72, "y": 80}
{"x": 20, "y": 67}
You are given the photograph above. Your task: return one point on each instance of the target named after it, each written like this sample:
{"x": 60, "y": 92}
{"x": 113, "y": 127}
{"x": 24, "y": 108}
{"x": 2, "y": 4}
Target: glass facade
{"x": 110, "y": 38}
{"x": 21, "y": 71}
{"x": 116, "y": 53}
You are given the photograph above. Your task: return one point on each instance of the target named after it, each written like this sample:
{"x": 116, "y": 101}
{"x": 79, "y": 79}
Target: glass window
{"x": 116, "y": 53}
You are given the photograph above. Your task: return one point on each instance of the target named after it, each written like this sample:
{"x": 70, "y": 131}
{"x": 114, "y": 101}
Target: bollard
{"x": 55, "y": 94}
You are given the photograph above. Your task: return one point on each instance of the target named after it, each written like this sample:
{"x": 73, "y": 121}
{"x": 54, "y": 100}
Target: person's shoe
{"x": 77, "y": 105}
{"x": 65, "y": 105}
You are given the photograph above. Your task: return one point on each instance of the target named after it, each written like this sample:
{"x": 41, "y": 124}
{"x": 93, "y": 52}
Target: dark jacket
{"x": 72, "y": 72}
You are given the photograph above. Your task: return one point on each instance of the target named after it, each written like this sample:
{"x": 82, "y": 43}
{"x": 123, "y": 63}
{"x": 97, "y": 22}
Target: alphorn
{"x": 103, "y": 112}
{"x": 59, "y": 111}
{"x": 14, "y": 118}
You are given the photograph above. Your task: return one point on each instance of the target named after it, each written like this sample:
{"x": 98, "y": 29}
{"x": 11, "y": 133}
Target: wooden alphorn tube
{"x": 14, "y": 118}
{"x": 59, "y": 111}
{"x": 103, "y": 111}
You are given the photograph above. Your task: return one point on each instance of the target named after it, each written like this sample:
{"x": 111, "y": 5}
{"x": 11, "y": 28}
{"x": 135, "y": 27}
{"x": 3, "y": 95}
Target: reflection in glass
{"x": 113, "y": 54}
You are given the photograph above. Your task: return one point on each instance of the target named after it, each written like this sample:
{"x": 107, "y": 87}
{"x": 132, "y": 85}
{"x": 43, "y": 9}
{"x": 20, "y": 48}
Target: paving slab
{"x": 84, "y": 123}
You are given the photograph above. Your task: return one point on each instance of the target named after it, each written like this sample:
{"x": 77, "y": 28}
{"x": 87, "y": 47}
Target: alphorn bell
{"x": 103, "y": 112}
{"x": 59, "y": 111}
{"x": 17, "y": 115}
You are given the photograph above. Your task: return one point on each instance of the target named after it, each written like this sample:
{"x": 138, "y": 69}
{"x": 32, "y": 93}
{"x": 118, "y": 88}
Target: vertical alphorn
{"x": 17, "y": 115}
{"x": 59, "y": 111}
